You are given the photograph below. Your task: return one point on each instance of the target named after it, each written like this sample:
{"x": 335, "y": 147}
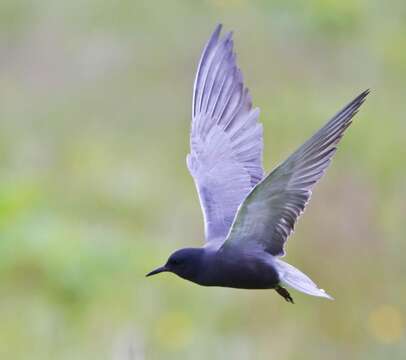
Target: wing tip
{"x": 359, "y": 100}
{"x": 216, "y": 34}
{"x": 346, "y": 114}
{"x": 355, "y": 105}
{"x": 365, "y": 93}
{"x": 217, "y": 30}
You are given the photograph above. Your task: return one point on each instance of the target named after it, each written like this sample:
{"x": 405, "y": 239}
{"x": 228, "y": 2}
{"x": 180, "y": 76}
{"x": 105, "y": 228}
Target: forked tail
{"x": 294, "y": 278}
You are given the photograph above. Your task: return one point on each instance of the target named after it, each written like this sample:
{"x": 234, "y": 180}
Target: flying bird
{"x": 248, "y": 217}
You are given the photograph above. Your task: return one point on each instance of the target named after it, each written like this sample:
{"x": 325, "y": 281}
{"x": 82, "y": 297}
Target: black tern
{"x": 248, "y": 217}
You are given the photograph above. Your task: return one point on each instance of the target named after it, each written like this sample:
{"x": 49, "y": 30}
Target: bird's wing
{"x": 226, "y": 139}
{"x": 268, "y": 215}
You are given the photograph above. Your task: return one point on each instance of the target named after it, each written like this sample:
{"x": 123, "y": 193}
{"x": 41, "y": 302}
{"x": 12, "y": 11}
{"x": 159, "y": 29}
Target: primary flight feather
{"x": 247, "y": 217}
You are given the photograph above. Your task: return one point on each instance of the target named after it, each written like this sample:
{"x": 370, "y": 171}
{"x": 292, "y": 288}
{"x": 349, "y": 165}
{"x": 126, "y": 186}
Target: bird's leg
{"x": 284, "y": 293}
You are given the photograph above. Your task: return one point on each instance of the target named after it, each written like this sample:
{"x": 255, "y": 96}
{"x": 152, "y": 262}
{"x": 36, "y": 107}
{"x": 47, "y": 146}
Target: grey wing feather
{"x": 226, "y": 139}
{"x": 269, "y": 213}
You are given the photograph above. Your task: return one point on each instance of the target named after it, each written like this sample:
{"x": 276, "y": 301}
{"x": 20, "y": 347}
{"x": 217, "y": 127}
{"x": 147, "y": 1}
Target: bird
{"x": 248, "y": 216}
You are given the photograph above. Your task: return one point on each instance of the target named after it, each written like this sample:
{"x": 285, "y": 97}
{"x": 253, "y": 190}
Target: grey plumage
{"x": 247, "y": 218}
{"x": 269, "y": 213}
{"x": 226, "y": 139}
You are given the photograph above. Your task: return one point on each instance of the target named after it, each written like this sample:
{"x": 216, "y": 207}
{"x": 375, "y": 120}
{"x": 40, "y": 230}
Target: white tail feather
{"x": 294, "y": 278}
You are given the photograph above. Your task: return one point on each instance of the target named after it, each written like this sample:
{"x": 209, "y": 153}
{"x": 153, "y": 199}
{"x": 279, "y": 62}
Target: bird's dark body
{"x": 233, "y": 270}
{"x": 241, "y": 276}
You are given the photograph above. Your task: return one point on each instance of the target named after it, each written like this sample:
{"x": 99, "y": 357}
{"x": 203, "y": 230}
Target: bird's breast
{"x": 239, "y": 271}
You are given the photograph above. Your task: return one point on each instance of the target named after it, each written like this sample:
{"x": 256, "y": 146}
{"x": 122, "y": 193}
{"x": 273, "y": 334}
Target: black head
{"x": 184, "y": 262}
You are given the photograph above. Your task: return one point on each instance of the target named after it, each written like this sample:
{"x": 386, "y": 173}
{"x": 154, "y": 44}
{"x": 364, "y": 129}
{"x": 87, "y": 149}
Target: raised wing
{"x": 269, "y": 213}
{"x": 226, "y": 140}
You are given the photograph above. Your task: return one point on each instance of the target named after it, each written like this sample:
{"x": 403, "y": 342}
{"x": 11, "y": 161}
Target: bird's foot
{"x": 284, "y": 293}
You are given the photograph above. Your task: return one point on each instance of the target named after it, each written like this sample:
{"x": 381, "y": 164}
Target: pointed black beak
{"x": 157, "y": 271}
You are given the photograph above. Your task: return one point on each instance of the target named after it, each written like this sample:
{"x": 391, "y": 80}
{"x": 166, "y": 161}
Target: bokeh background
{"x": 95, "y": 104}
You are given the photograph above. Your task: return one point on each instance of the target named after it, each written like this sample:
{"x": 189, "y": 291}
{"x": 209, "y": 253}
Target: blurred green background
{"x": 95, "y": 104}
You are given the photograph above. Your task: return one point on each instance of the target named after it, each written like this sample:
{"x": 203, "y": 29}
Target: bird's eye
{"x": 174, "y": 262}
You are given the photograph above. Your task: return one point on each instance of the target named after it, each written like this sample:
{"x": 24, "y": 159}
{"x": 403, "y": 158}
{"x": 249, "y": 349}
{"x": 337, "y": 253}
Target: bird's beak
{"x": 157, "y": 271}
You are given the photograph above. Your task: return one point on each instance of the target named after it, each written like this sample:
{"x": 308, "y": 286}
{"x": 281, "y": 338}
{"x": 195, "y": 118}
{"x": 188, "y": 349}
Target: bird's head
{"x": 184, "y": 263}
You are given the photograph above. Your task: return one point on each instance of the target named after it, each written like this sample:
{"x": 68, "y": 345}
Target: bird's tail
{"x": 294, "y": 278}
